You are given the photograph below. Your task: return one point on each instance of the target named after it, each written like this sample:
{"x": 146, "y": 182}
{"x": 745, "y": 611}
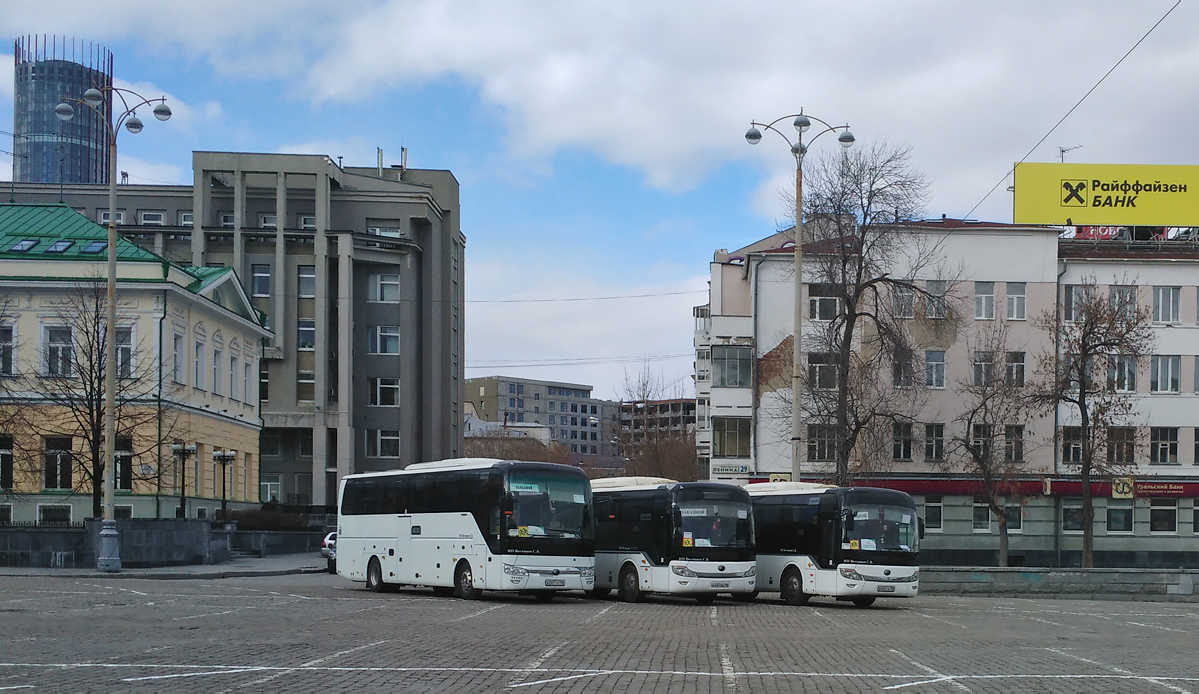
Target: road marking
{"x": 1154, "y": 626}
{"x": 536, "y": 664}
{"x": 597, "y": 615}
{"x": 312, "y": 663}
{"x": 1121, "y": 671}
{"x": 938, "y": 619}
{"x": 476, "y": 614}
{"x": 822, "y": 615}
{"x": 726, "y": 664}
{"x": 191, "y": 674}
{"x": 712, "y": 616}
{"x": 940, "y": 677}
{"x": 1045, "y": 621}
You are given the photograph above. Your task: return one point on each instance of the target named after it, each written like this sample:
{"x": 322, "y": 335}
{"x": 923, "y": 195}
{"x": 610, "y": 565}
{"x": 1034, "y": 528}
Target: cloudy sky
{"x": 600, "y": 144}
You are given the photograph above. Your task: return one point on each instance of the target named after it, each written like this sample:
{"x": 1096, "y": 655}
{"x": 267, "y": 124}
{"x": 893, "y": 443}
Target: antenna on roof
{"x": 1061, "y": 151}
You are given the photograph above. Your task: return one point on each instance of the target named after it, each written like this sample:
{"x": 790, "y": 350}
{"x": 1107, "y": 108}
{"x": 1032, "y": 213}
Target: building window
{"x": 58, "y": 462}
{"x": 1165, "y": 304}
{"x": 60, "y": 352}
{"x": 934, "y": 441}
{"x": 54, "y": 514}
{"x": 1121, "y": 445}
{"x": 307, "y": 221}
{"x": 268, "y": 444}
{"x": 124, "y": 352}
{"x": 103, "y": 216}
{"x": 1163, "y": 445}
{"x": 1013, "y": 443}
{"x": 247, "y": 385}
{"x": 386, "y": 288}
{"x": 822, "y": 441}
{"x": 267, "y": 221}
{"x": 1072, "y": 445}
{"x": 730, "y": 437}
{"x": 902, "y": 373}
{"x": 935, "y": 305}
{"x": 932, "y": 513}
{"x": 1015, "y": 369}
{"x": 264, "y": 388}
{"x": 383, "y": 443}
{"x": 260, "y": 280}
{"x": 1016, "y": 301}
{"x": 822, "y": 371}
{"x": 823, "y": 302}
{"x": 198, "y": 381}
{"x": 731, "y": 366}
{"x": 7, "y": 345}
{"x": 1123, "y": 300}
{"x": 553, "y": 406}
{"x": 152, "y": 218}
{"x": 1072, "y": 515}
{"x": 1119, "y": 515}
{"x": 982, "y": 515}
{"x": 385, "y": 392}
{"x": 984, "y": 368}
{"x": 1163, "y": 515}
{"x": 901, "y": 441}
{"x": 227, "y": 221}
{"x": 217, "y": 357}
{"x": 934, "y": 369}
{"x": 180, "y": 359}
{"x": 306, "y": 386}
{"x": 1074, "y": 296}
{"x": 1163, "y": 374}
{"x": 306, "y": 334}
{"x": 980, "y": 441}
{"x": 383, "y": 339}
{"x": 306, "y": 284}
{"x": 905, "y": 301}
{"x": 1121, "y": 373}
{"x": 1014, "y": 515}
{"x": 270, "y": 487}
{"x": 234, "y": 375}
{"x": 124, "y": 464}
{"x": 703, "y": 365}
{"x": 186, "y": 219}
{"x": 984, "y": 300}
{"x": 304, "y": 443}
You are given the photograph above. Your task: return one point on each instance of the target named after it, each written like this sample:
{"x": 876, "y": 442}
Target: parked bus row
{"x": 464, "y": 526}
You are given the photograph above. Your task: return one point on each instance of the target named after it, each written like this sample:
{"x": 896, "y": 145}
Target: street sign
{"x": 729, "y": 469}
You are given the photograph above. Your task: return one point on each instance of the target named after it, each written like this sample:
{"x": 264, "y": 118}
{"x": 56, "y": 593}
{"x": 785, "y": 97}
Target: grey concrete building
{"x": 587, "y": 426}
{"x": 359, "y": 272}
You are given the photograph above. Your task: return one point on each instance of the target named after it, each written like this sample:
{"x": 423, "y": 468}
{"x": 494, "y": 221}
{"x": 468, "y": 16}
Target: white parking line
{"x": 597, "y": 615}
{"x": 1121, "y": 671}
{"x": 726, "y": 665}
{"x": 939, "y": 677}
{"x": 536, "y": 664}
{"x": 476, "y": 614}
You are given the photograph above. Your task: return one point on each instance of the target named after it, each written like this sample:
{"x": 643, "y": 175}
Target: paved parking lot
{"x": 317, "y": 632}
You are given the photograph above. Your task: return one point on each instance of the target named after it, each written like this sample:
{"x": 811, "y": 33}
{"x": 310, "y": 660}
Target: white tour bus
{"x": 655, "y": 535}
{"x": 467, "y": 525}
{"x": 851, "y": 543}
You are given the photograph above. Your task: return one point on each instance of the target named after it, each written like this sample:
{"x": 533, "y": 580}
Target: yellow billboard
{"x": 1106, "y": 194}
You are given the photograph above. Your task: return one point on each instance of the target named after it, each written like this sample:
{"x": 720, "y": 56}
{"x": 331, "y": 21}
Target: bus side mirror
{"x": 921, "y": 523}
{"x": 508, "y": 505}
{"x": 678, "y": 518}
{"x": 849, "y": 521}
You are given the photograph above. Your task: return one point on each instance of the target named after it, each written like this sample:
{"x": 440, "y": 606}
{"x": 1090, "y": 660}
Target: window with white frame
{"x": 904, "y": 296}
{"x": 218, "y": 356}
{"x": 305, "y": 386}
{"x": 1123, "y": 299}
{"x": 1164, "y": 373}
{"x": 7, "y": 350}
{"x": 307, "y": 221}
{"x": 730, "y": 437}
{"x": 198, "y": 376}
{"x": 1072, "y": 445}
{"x": 823, "y": 303}
{"x": 125, "y": 353}
{"x": 1165, "y": 304}
{"x": 901, "y": 441}
{"x": 179, "y": 363}
{"x": 822, "y": 441}
{"x": 934, "y": 441}
{"x": 234, "y": 377}
{"x": 383, "y": 339}
{"x": 186, "y": 219}
{"x": 1072, "y": 515}
{"x": 260, "y": 280}
{"x": 306, "y": 334}
{"x": 383, "y": 443}
{"x": 247, "y": 382}
{"x": 933, "y": 510}
{"x": 385, "y": 392}
{"x": 270, "y": 487}
{"x": 1163, "y": 515}
{"x": 227, "y": 221}
{"x": 703, "y": 366}
{"x": 982, "y": 515}
{"x": 58, "y": 462}
{"x": 1014, "y": 515}
{"x": 984, "y": 300}
{"x": 1074, "y": 297}
{"x": 701, "y": 412}
{"x": 934, "y": 368}
{"x": 1163, "y": 445}
{"x": 152, "y": 217}
{"x": 902, "y": 373}
{"x": 1121, "y": 445}
{"x": 306, "y": 282}
{"x": 103, "y": 216}
{"x": 984, "y": 368}
{"x": 1016, "y": 300}
{"x": 60, "y": 351}
{"x": 732, "y": 366}
{"x": 1014, "y": 374}
{"x": 268, "y": 221}
{"x": 123, "y": 478}
{"x": 935, "y": 304}
{"x": 822, "y": 371}
{"x": 1119, "y": 515}
{"x": 264, "y": 387}
{"x": 1013, "y": 443}
{"x": 980, "y": 440}
{"x": 386, "y": 287}
{"x": 1121, "y": 373}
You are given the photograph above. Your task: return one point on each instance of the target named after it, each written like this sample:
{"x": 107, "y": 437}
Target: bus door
{"x": 401, "y": 563}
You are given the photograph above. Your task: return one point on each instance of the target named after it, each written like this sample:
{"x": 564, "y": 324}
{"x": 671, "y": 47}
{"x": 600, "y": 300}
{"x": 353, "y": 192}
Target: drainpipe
{"x": 158, "y": 437}
{"x": 1057, "y": 341}
{"x": 753, "y": 372}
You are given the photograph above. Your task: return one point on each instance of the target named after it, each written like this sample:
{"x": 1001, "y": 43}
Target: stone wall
{"x": 264, "y": 543}
{"x": 1091, "y": 584}
{"x": 63, "y": 548}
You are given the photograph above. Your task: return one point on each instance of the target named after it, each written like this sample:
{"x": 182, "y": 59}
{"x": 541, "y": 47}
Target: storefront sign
{"x": 1161, "y": 488}
{"x": 1106, "y": 194}
{"x": 1122, "y": 487}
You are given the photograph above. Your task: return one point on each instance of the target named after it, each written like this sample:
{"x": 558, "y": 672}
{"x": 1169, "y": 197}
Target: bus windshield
{"x": 549, "y": 504}
{"x": 881, "y": 528}
{"x": 716, "y": 523}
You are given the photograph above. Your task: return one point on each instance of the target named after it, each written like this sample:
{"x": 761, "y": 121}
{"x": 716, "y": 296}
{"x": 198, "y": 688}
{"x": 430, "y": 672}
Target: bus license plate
{"x": 555, "y": 582}
{"x": 886, "y": 589}
{"x": 720, "y": 585}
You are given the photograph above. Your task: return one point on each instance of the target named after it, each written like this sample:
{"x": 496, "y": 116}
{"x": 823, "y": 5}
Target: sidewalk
{"x": 278, "y": 565}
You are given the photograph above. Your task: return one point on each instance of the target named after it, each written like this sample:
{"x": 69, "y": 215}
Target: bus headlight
{"x": 753, "y": 571}
{"x": 515, "y": 570}
{"x": 850, "y": 574}
{"x": 915, "y": 576}
{"x": 682, "y": 571}
{"x": 588, "y": 572}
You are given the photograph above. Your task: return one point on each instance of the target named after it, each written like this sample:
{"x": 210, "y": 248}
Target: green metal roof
{"x": 34, "y": 232}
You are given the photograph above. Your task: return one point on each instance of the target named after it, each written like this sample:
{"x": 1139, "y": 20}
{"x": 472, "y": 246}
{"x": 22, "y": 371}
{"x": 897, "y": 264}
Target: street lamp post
{"x": 224, "y": 458}
{"x": 801, "y": 124}
{"x": 182, "y": 453}
{"x": 108, "y": 557}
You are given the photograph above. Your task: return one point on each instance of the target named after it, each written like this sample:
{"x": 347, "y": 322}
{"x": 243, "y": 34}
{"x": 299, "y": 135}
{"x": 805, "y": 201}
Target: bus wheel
{"x": 374, "y": 576}
{"x": 597, "y": 593}
{"x": 465, "y": 581}
{"x": 544, "y": 595}
{"x": 745, "y": 597}
{"x": 791, "y": 590}
{"x": 863, "y": 602}
{"x": 705, "y": 599}
{"x": 630, "y": 588}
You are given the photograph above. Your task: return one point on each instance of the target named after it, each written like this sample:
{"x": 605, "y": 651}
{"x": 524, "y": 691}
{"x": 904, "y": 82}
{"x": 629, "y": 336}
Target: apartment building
{"x": 991, "y": 276}
{"x": 586, "y": 426}
{"x": 188, "y": 348}
{"x": 359, "y": 272}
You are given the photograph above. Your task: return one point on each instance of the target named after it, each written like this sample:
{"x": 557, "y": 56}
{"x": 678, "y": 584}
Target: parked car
{"x": 331, "y": 567}
{"x": 328, "y": 543}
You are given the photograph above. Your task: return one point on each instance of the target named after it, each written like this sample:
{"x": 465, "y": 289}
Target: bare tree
{"x": 67, "y": 399}
{"x": 654, "y": 440}
{"x": 992, "y": 434}
{"x": 1094, "y": 331}
{"x": 514, "y": 448}
{"x": 860, "y": 267}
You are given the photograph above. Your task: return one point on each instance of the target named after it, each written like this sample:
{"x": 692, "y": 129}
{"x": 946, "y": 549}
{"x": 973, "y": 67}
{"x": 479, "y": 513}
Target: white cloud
{"x": 356, "y": 151}
{"x": 186, "y": 117}
{"x": 6, "y": 77}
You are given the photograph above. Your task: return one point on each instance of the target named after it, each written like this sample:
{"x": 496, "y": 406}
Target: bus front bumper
{"x": 855, "y": 582}
{"x": 547, "y": 578}
{"x": 711, "y": 577}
